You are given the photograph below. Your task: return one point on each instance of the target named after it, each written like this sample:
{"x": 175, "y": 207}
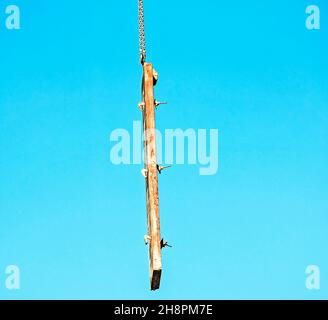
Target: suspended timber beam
{"x": 155, "y": 255}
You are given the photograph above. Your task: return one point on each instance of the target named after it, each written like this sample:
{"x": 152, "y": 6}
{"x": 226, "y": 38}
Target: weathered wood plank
{"x": 155, "y": 255}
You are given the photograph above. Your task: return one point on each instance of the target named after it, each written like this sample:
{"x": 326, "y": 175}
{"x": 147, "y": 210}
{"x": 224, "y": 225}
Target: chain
{"x": 142, "y": 37}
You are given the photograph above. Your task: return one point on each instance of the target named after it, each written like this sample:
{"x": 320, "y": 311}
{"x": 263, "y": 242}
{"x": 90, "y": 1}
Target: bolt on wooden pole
{"x": 152, "y": 203}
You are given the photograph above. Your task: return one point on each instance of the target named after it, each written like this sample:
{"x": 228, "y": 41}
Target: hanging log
{"x": 155, "y": 255}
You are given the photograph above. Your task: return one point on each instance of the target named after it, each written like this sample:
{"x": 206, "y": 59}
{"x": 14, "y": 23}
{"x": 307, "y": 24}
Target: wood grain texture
{"x": 152, "y": 202}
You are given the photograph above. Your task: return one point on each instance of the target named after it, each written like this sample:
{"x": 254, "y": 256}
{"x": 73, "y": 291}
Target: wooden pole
{"x": 155, "y": 255}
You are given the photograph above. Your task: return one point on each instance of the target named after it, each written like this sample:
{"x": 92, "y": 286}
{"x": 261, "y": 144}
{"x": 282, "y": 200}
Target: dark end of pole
{"x": 156, "y": 280}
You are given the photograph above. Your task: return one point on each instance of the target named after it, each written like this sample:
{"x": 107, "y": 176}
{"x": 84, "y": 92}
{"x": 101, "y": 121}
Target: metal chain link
{"x": 142, "y": 37}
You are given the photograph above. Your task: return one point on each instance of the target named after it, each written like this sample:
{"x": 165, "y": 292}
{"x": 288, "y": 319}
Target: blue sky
{"x": 74, "y": 223}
